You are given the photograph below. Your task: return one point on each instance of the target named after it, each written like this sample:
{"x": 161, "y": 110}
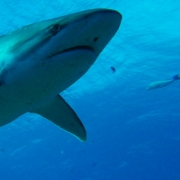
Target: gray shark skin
{"x": 40, "y": 60}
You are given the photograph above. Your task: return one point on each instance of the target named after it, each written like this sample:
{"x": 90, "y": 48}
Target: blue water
{"x": 133, "y": 134}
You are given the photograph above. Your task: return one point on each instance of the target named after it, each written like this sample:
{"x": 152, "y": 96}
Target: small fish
{"x": 113, "y": 69}
{"x": 160, "y": 84}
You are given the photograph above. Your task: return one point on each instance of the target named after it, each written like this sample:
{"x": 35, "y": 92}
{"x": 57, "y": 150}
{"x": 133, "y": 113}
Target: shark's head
{"x": 58, "y": 51}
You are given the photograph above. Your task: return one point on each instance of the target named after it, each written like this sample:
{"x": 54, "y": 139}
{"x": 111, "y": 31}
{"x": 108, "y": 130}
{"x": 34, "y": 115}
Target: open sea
{"x": 132, "y": 133}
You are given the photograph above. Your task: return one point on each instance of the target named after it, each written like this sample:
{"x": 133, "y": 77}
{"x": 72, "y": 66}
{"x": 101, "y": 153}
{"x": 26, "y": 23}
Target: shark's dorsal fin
{"x": 61, "y": 114}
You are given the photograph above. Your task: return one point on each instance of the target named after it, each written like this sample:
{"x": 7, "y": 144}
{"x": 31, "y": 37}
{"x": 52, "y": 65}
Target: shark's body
{"x": 41, "y": 60}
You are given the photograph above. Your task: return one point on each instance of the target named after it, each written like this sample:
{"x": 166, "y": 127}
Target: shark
{"x": 41, "y": 60}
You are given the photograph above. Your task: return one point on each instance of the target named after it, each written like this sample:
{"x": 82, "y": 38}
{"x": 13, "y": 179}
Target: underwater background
{"x": 133, "y": 133}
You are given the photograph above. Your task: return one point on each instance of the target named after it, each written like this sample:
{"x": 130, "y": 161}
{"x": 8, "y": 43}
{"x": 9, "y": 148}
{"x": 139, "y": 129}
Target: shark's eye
{"x": 55, "y": 28}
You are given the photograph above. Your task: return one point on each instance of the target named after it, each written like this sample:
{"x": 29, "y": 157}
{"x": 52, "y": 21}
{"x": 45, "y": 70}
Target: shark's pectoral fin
{"x": 61, "y": 114}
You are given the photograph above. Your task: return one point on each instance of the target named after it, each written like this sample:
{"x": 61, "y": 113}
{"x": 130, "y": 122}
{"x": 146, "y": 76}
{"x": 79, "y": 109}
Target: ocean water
{"x": 133, "y": 133}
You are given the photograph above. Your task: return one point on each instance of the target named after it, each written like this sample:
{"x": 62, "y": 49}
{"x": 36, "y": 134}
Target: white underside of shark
{"x": 39, "y": 61}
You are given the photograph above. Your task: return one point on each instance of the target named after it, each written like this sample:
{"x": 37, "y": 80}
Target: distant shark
{"x": 39, "y": 61}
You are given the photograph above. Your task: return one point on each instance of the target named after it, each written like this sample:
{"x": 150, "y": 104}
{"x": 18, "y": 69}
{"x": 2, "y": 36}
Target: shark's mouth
{"x": 89, "y": 48}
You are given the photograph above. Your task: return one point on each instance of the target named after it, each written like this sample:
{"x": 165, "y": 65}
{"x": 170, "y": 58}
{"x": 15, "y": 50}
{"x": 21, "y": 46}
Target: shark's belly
{"x": 28, "y": 87}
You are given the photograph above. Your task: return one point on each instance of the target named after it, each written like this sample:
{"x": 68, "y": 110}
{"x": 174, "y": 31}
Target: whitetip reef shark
{"x": 40, "y": 60}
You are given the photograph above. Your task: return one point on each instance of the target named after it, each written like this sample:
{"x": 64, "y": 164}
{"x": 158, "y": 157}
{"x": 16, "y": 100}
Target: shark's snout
{"x": 89, "y": 30}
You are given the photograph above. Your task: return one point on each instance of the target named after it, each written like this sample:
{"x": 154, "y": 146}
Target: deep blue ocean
{"x": 133, "y": 133}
